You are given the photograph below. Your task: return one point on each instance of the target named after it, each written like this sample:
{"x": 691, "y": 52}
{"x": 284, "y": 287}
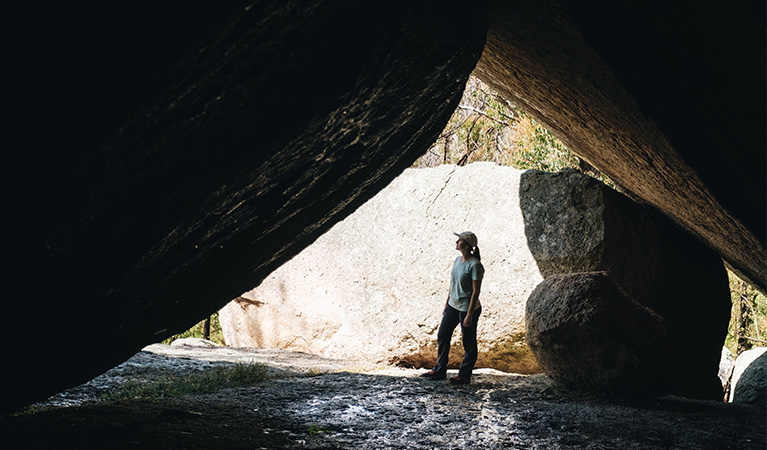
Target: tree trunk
{"x": 206, "y": 329}
{"x": 742, "y": 321}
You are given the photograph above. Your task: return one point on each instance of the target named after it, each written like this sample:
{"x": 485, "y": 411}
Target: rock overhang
{"x": 212, "y": 160}
{"x": 652, "y": 100}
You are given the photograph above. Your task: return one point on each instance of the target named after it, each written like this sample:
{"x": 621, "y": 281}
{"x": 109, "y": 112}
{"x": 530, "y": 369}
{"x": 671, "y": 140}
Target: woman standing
{"x": 462, "y": 307}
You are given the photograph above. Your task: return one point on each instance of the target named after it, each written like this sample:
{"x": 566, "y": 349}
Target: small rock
{"x": 749, "y": 378}
{"x": 194, "y": 342}
{"x": 726, "y": 364}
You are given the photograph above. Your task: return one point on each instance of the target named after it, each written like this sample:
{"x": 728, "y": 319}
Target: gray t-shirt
{"x": 461, "y": 282}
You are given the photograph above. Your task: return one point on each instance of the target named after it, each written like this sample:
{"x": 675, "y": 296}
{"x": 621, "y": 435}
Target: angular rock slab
{"x": 167, "y": 159}
{"x": 623, "y": 87}
{"x": 576, "y": 224}
{"x": 588, "y": 334}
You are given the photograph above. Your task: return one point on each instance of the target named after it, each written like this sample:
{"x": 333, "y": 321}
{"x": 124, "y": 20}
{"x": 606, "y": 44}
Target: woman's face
{"x": 460, "y": 244}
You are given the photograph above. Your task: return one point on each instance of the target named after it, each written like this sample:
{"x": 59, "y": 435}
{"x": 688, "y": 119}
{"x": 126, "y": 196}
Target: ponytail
{"x": 475, "y": 254}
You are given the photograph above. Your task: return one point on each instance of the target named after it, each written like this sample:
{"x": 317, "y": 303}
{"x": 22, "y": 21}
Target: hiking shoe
{"x": 459, "y": 380}
{"x": 432, "y": 375}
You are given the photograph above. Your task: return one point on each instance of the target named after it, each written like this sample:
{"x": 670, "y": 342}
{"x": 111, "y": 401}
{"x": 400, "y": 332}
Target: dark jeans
{"x": 450, "y": 319}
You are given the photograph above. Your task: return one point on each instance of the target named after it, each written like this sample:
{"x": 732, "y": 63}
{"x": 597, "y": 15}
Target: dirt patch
{"x": 340, "y": 406}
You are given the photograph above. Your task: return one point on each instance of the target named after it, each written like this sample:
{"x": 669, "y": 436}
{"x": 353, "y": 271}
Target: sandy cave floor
{"x": 317, "y": 403}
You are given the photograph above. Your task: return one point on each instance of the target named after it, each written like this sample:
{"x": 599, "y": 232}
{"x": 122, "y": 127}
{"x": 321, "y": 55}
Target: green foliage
{"x": 216, "y": 335}
{"x": 194, "y": 383}
{"x": 485, "y": 127}
{"x": 315, "y": 429}
{"x": 30, "y": 410}
{"x": 539, "y": 149}
{"x": 755, "y": 309}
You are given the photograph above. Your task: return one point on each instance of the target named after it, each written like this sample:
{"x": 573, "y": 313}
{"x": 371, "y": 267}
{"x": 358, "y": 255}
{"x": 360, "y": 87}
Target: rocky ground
{"x": 315, "y": 403}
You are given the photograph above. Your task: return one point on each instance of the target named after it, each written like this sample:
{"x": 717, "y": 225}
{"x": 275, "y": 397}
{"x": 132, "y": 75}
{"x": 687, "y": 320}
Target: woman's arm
{"x": 476, "y": 286}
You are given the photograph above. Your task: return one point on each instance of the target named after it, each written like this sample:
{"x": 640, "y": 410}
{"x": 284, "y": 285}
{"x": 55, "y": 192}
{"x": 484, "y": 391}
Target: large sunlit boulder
{"x": 375, "y": 285}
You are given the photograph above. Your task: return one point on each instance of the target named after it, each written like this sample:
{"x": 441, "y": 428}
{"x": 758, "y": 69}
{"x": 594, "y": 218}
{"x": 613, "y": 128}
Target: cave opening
{"x": 116, "y": 273}
{"x": 301, "y": 307}
{"x": 326, "y": 401}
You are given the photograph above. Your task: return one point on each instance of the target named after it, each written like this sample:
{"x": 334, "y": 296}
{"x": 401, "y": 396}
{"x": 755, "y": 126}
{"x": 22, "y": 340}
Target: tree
{"x": 485, "y": 127}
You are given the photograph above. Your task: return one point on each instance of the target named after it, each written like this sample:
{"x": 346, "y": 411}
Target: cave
{"x": 164, "y": 159}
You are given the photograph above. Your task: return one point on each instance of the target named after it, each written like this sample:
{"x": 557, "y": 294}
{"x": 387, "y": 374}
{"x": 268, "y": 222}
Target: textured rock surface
{"x": 368, "y": 408}
{"x": 193, "y": 342}
{"x": 168, "y": 159}
{"x": 726, "y": 366}
{"x": 576, "y": 224}
{"x": 749, "y": 378}
{"x": 588, "y": 334}
{"x": 651, "y": 100}
{"x": 375, "y": 285}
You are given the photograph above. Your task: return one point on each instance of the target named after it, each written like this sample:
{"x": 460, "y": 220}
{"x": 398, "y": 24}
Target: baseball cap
{"x": 468, "y": 236}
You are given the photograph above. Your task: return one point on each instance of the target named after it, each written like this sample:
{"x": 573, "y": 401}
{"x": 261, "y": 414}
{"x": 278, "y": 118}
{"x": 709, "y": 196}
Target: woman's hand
{"x": 477, "y": 287}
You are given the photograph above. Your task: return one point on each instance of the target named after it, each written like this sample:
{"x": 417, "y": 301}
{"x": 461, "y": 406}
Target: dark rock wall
{"x": 698, "y": 71}
{"x": 666, "y": 100}
{"x": 168, "y": 158}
